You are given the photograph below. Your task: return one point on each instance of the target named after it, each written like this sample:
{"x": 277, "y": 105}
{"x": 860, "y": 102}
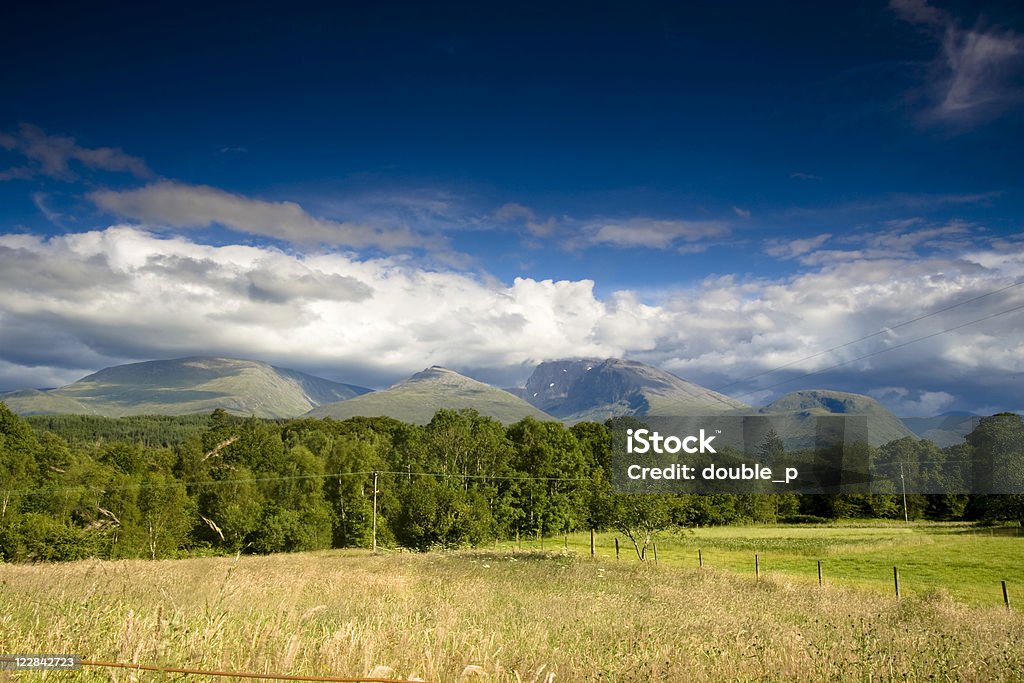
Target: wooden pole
{"x": 593, "y": 552}
{"x": 757, "y": 567}
{"x": 896, "y": 580}
{"x": 820, "y": 582}
{"x": 700, "y": 559}
{"x": 1006, "y": 596}
{"x": 616, "y": 547}
{"x": 655, "y": 546}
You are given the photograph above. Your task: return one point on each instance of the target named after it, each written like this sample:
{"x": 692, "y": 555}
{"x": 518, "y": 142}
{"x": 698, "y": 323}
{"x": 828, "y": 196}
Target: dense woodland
{"x": 76, "y": 486}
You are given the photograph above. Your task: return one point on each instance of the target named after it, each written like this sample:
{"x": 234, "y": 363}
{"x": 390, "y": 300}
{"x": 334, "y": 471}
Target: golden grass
{"x": 492, "y": 617}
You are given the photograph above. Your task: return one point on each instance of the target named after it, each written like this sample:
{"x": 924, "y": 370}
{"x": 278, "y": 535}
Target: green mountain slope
{"x": 796, "y": 413}
{"x": 184, "y": 386}
{"x": 419, "y": 397}
{"x": 36, "y": 402}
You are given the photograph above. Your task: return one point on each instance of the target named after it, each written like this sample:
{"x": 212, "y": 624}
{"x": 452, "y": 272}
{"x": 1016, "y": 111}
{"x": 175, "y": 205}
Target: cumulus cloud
{"x": 52, "y": 156}
{"x": 179, "y": 205}
{"x": 976, "y": 73}
{"x": 121, "y": 294}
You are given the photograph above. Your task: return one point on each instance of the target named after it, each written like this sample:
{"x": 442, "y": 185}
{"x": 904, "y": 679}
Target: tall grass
{"x": 494, "y": 616}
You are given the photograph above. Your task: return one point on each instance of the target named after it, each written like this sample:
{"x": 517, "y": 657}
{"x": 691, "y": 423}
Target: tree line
{"x": 73, "y": 487}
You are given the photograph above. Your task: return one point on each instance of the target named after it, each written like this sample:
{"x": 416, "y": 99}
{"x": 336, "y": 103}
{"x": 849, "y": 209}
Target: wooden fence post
{"x": 820, "y": 582}
{"x": 1006, "y": 596}
{"x": 655, "y": 546}
{"x": 700, "y": 559}
{"x": 896, "y": 580}
{"x": 592, "y": 549}
{"x": 757, "y": 568}
{"x": 616, "y": 547}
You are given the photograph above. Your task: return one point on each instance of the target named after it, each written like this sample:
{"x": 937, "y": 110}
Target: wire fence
{"x": 168, "y": 669}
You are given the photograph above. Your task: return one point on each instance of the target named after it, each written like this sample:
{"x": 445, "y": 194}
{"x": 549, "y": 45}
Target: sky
{"x": 733, "y": 192}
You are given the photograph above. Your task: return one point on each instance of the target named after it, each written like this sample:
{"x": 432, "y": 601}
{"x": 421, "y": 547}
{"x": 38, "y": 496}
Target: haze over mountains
{"x": 570, "y": 390}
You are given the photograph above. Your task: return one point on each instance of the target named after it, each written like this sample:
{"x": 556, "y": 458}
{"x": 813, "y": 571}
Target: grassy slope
{"x": 416, "y": 400}
{"x": 517, "y": 617}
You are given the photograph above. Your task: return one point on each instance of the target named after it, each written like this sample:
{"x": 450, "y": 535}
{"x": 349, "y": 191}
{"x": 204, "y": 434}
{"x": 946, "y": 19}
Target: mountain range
{"x": 570, "y": 391}
{"x": 185, "y": 386}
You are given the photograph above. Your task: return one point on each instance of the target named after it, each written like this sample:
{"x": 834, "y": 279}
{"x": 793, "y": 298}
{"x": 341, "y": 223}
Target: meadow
{"x": 965, "y": 561}
{"x": 522, "y": 615}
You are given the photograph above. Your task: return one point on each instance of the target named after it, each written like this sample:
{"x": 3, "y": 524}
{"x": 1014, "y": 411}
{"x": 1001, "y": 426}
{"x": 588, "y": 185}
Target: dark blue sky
{"x": 658, "y": 151}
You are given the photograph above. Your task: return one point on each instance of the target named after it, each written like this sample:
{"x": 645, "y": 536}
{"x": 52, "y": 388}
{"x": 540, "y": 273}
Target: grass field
{"x": 482, "y": 615}
{"x": 964, "y": 561}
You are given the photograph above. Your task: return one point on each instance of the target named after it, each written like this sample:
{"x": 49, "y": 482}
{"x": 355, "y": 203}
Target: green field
{"x": 964, "y": 561}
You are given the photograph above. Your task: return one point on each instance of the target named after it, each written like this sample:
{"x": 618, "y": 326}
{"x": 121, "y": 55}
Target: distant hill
{"x": 797, "y": 412}
{"x": 184, "y": 386}
{"x": 591, "y": 389}
{"x": 419, "y": 397}
{"x": 945, "y": 430}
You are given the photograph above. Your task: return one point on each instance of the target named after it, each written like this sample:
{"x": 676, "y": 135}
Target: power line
{"x": 866, "y": 337}
{"x": 880, "y": 351}
{"x": 219, "y": 482}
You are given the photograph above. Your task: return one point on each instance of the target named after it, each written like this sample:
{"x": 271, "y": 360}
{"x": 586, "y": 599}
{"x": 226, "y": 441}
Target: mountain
{"x": 797, "y": 411}
{"x": 591, "y": 389}
{"x": 419, "y": 397}
{"x": 186, "y": 385}
{"x": 945, "y": 430}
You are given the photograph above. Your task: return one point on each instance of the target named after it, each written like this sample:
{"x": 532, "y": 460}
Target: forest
{"x": 73, "y": 487}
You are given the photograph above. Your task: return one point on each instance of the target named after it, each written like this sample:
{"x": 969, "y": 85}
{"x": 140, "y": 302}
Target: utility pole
{"x": 906, "y": 516}
{"x": 374, "y": 512}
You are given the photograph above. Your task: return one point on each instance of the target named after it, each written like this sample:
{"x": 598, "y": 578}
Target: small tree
{"x": 641, "y": 516}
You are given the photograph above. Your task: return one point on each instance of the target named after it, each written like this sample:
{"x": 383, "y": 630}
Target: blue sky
{"x": 362, "y": 191}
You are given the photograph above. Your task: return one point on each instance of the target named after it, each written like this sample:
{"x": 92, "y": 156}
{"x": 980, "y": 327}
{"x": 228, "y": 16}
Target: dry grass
{"x": 493, "y": 617}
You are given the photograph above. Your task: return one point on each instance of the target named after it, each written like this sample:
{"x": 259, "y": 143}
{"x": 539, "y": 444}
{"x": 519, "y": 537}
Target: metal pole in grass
{"x": 757, "y": 567}
{"x": 655, "y": 546}
{"x": 820, "y": 582}
{"x": 896, "y": 580}
{"x": 903, "y": 482}
{"x": 374, "y": 512}
{"x": 616, "y": 547}
{"x": 593, "y": 552}
{"x": 1006, "y": 596}
{"x": 700, "y": 559}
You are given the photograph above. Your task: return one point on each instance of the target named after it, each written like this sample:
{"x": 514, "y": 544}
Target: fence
{"x": 1001, "y": 589}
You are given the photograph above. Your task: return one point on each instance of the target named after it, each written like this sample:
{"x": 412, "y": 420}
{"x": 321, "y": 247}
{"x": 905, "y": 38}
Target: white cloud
{"x": 787, "y": 249}
{"x": 906, "y": 403}
{"x": 122, "y": 294}
{"x": 974, "y": 74}
{"x": 517, "y": 213}
{"x": 179, "y": 205}
{"x": 742, "y": 213}
{"x": 650, "y": 232}
{"x": 52, "y": 156}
